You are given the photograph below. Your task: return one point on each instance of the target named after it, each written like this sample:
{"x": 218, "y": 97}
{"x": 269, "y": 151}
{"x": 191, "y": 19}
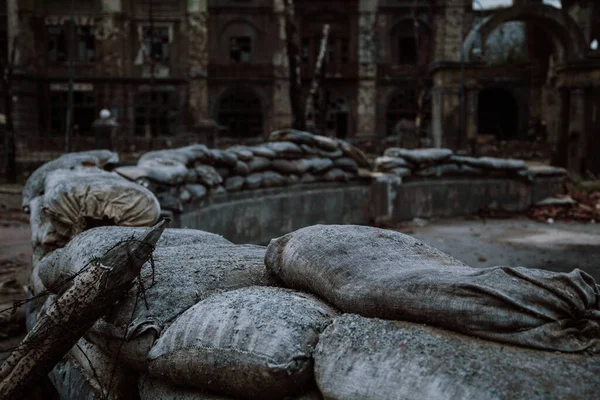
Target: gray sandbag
{"x": 198, "y": 153}
{"x": 346, "y": 163}
{"x": 318, "y": 165}
{"x": 326, "y": 143}
{"x": 35, "y": 183}
{"x": 234, "y": 183}
{"x": 73, "y": 200}
{"x": 386, "y": 274}
{"x": 44, "y": 237}
{"x": 387, "y": 163}
{"x": 272, "y": 179}
{"x": 197, "y": 191}
{"x": 253, "y": 181}
{"x": 401, "y": 171}
{"x": 163, "y": 170}
{"x": 309, "y": 150}
{"x": 546, "y": 170}
{"x": 243, "y": 153}
{"x": 254, "y": 343}
{"x": 362, "y": 358}
{"x": 262, "y": 151}
{"x": 334, "y": 175}
{"x": 223, "y": 158}
{"x": 420, "y": 156}
{"x": 285, "y": 149}
{"x": 241, "y": 169}
{"x": 192, "y": 176}
{"x": 286, "y": 166}
{"x": 354, "y": 153}
{"x": 259, "y": 164}
{"x": 308, "y": 178}
{"x": 440, "y": 170}
{"x": 223, "y": 172}
{"x": 180, "y": 156}
{"x": 292, "y": 179}
{"x": 208, "y": 176}
{"x": 315, "y": 151}
{"x": 185, "y": 195}
{"x": 292, "y": 135}
{"x": 490, "y": 163}
{"x": 169, "y": 200}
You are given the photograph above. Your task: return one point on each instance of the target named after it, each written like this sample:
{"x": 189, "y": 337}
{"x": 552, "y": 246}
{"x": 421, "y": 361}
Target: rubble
{"x": 577, "y": 205}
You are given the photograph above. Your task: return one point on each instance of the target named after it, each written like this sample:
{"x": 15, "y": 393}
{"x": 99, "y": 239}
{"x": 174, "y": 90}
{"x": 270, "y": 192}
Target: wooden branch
{"x": 319, "y": 70}
{"x": 87, "y": 299}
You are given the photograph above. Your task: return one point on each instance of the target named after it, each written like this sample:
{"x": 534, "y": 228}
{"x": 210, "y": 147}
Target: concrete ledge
{"x": 260, "y": 215}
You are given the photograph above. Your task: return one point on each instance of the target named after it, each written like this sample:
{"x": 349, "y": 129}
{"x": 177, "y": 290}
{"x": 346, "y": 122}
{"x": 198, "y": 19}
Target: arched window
{"x": 241, "y": 112}
{"x": 409, "y": 43}
{"x": 402, "y": 110}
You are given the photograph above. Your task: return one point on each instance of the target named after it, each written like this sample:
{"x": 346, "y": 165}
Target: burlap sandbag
{"x": 285, "y": 166}
{"x": 183, "y": 156}
{"x": 258, "y": 164}
{"x": 35, "y": 183}
{"x": 208, "y": 176}
{"x": 74, "y": 200}
{"x": 272, "y": 179}
{"x": 243, "y": 153}
{"x": 165, "y": 171}
{"x": 387, "y": 163}
{"x": 354, "y": 153}
{"x": 285, "y": 149}
{"x": 197, "y": 191}
{"x": 490, "y": 163}
{"x": 234, "y": 183}
{"x": 419, "y": 156}
{"x": 346, "y": 163}
{"x": 380, "y": 273}
{"x": 292, "y": 135}
{"x": 44, "y": 237}
{"x": 362, "y": 358}
{"x": 222, "y": 158}
{"x": 253, "y": 181}
{"x": 262, "y": 151}
{"x": 253, "y": 343}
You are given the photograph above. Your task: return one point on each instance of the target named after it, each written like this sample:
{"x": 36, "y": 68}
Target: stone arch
{"x": 240, "y": 109}
{"x": 239, "y": 28}
{"x": 559, "y": 24}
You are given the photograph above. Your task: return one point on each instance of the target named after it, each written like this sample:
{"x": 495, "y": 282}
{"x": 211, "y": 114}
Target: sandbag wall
{"x": 443, "y": 163}
{"x": 188, "y": 174}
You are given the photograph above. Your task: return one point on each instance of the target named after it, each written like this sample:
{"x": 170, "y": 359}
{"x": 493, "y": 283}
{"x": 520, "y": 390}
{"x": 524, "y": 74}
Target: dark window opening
{"x": 240, "y": 49}
{"x": 240, "y": 111}
{"x": 156, "y": 114}
{"x": 344, "y": 51}
{"x": 84, "y": 113}
{"x": 401, "y": 111}
{"x": 498, "y": 114}
{"x": 305, "y": 50}
{"x": 84, "y": 49}
{"x": 156, "y": 42}
{"x": 407, "y": 50}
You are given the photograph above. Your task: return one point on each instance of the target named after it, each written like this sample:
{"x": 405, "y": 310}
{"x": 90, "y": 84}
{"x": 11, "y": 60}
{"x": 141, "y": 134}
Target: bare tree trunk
{"x": 319, "y": 71}
{"x": 7, "y": 88}
{"x": 293, "y": 51}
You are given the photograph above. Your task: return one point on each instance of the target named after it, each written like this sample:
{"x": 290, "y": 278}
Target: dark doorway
{"x": 241, "y": 112}
{"x": 498, "y": 114}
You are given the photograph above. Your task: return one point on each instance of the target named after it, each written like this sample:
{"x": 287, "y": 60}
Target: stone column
{"x": 281, "y": 112}
{"x": 367, "y": 69}
{"x": 576, "y": 131}
{"x": 21, "y": 25}
{"x": 111, "y": 33}
{"x": 197, "y": 34}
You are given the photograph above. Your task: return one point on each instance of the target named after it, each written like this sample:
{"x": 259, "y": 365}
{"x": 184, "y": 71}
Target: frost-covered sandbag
{"x": 234, "y": 183}
{"x": 74, "y": 200}
{"x": 490, "y": 163}
{"x": 253, "y": 181}
{"x": 35, "y": 183}
{"x": 285, "y": 149}
{"x": 448, "y": 170}
{"x": 259, "y": 164}
{"x": 197, "y": 191}
{"x": 317, "y": 152}
{"x": 546, "y": 170}
{"x": 183, "y": 156}
{"x": 335, "y": 175}
{"x": 354, "y": 153}
{"x": 308, "y": 178}
{"x": 263, "y": 151}
{"x": 362, "y": 358}
{"x": 223, "y": 172}
{"x": 326, "y": 143}
{"x": 163, "y": 170}
{"x": 241, "y": 169}
{"x": 292, "y": 135}
{"x": 286, "y": 166}
{"x": 208, "y": 176}
{"x": 272, "y": 179}
{"x": 292, "y": 179}
{"x": 401, "y": 171}
{"x": 169, "y": 200}
{"x": 254, "y": 343}
{"x": 44, "y": 237}
{"x": 346, "y": 163}
{"x": 318, "y": 165}
{"x": 198, "y": 152}
{"x": 387, "y": 163}
{"x": 386, "y": 274}
{"x": 420, "y": 156}
{"x": 223, "y": 158}
{"x": 243, "y": 153}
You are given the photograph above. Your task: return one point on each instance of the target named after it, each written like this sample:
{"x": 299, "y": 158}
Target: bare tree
{"x": 311, "y": 100}
{"x": 293, "y": 52}
{"x": 7, "y": 67}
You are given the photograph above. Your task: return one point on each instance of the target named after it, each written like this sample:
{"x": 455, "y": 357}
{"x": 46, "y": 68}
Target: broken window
{"x": 156, "y": 113}
{"x": 84, "y": 49}
{"x": 156, "y": 42}
{"x": 84, "y": 112}
{"x": 240, "y": 49}
{"x": 407, "y": 50}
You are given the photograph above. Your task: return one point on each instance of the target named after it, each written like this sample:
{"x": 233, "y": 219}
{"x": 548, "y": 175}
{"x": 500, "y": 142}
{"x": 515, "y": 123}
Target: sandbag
{"x": 335, "y": 175}
{"x": 75, "y": 200}
{"x": 285, "y": 149}
{"x": 386, "y": 274}
{"x": 234, "y": 183}
{"x": 285, "y": 166}
{"x": 308, "y": 178}
{"x": 223, "y": 172}
{"x": 354, "y": 153}
{"x": 387, "y": 163}
{"x": 243, "y": 153}
{"x": 292, "y": 179}
{"x": 420, "y": 156}
{"x": 169, "y": 200}
{"x": 208, "y": 176}
{"x": 262, "y": 151}
{"x": 223, "y": 158}
{"x": 44, "y": 237}
{"x": 198, "y": 152}
{"x": 35, "y": 183}
{"x": 197, "y": 191}
{"x": 318, "y": 165}
{"x": 241, "y": 168}
{"x": 401, "y": 171}
{"x": 272, "y": 179}
{"x": 163, "y": 170}
{"x": 346, "y": 163}
{"x": 259, "y": 164}
{"x": 253, "y": 181}
{"x": 181, "y": 156}
{"x": 546, "y": 170}
{"x": 292, "y": 135}
{"x": 490, "y": 163}
{"x": 326, "y": 143}
{"x": 362, "y": 358}
{"x": 254, "y": 343}
{"x": 315, "y": 151}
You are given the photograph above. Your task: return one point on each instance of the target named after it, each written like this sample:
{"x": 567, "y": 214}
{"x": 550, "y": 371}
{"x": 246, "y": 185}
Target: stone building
{"x": 419, "y": 66}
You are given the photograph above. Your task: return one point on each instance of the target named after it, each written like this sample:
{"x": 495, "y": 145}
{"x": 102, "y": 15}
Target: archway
{"x": 498, "y": 114}
{"x": 240, "y": 111}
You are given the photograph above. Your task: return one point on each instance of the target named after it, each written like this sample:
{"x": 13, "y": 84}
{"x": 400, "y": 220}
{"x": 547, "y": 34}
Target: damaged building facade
{"x": 411, "y": 72}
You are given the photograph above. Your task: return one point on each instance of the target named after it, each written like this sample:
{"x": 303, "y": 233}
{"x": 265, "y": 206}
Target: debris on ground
{"x": 576, "y": 205}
